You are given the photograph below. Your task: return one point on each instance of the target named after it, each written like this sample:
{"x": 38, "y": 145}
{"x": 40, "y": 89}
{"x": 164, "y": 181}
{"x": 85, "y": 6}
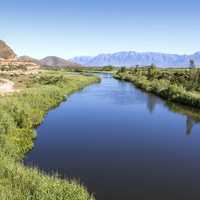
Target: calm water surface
{"x": 122, "y": 144}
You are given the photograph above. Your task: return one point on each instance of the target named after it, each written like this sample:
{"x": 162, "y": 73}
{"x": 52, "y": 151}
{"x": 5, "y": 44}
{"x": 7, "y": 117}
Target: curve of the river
{"x": 122, "y": 144}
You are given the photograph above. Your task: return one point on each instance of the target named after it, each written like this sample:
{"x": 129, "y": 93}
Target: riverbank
{"x": 20, "y": 113}
{"x": 180, "y": 86}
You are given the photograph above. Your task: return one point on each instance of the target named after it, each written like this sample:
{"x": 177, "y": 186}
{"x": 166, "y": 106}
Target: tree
{"x": 194, "y": 75}
{"x": 151, "y": 71}
{"x": 153, "y": 66}
{"x": 192, "y": 64}
{"x": 136, "y": 68}
{"x": 123, "y": 69}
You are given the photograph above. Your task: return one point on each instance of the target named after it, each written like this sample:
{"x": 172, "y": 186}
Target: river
{"x": 122, "y": 144}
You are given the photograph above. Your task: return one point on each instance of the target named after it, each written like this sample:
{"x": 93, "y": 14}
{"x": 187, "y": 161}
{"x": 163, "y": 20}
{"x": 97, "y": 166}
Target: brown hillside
{"x": 5, "y": 51}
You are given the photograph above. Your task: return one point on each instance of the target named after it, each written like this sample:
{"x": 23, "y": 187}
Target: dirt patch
{"x": 6, "y": 86}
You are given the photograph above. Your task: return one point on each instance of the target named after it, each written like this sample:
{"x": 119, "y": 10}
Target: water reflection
{"x": 192, "y": 115}
{"x": 125, "y": 95}
{"x": 151, "y": 102}
{"x": 189, "y": 125}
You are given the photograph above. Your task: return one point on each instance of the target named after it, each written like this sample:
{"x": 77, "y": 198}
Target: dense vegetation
{"x": 20, "y": 113}
{"x": 106, "y": 69}
{"x": 177, "y": 85}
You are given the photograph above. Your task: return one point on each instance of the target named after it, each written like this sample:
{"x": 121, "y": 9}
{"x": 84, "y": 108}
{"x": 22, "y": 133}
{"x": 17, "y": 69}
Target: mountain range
{"x": 132, "y": 58}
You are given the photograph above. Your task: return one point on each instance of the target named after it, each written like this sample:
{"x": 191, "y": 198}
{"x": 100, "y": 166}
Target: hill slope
{"x": 5, "y": 51}
{"x": 54, "y": 61}
{"x": 28, "y": 59}
{"x": 51, "y": 61}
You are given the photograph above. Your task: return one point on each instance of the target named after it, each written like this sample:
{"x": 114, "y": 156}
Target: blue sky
{"x": 70, "y": 28}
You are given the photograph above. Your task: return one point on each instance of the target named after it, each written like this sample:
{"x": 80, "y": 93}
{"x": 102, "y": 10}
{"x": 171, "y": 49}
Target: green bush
{"x": 20, "y": 113}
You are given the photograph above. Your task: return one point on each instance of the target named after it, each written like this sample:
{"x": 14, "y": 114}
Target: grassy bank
{"x": 176, "y": 85}
{"x": 20, "y": 113}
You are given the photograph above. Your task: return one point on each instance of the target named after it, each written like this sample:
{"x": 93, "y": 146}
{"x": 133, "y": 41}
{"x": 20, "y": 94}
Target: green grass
{"x": 176, "y": 85}
{"x": 20, "y": 113}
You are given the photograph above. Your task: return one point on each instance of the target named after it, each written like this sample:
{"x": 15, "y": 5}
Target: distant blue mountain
{"x": 132, "y": 58}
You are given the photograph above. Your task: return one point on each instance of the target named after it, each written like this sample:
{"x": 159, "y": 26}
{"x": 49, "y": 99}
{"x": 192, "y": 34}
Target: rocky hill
{"x": 10, "y": 63}
{"x": 6, "y": 52}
